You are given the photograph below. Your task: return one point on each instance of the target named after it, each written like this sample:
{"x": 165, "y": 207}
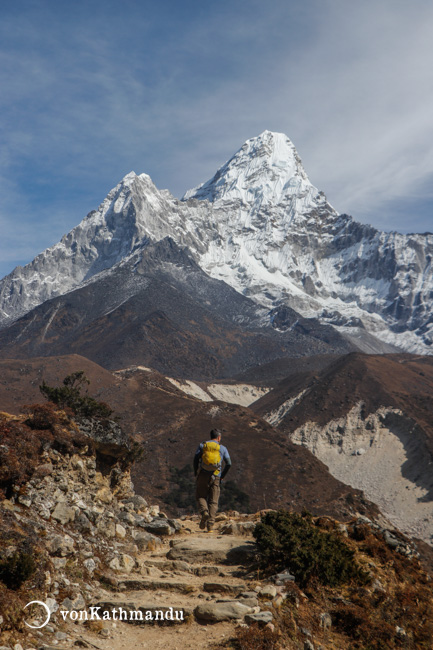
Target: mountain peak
{"x": 266, "y": 169}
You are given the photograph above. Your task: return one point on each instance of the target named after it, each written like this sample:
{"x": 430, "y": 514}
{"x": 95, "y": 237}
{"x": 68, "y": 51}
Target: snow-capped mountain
{"x": 262, "y": 227}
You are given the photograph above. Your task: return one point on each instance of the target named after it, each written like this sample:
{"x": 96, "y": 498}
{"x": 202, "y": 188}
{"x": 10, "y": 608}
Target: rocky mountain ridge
{"x": 262, "y": 227}
{"x": 158, "y": 308}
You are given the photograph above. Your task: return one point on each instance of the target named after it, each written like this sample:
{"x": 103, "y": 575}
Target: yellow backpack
{"x": 211, "y": 457}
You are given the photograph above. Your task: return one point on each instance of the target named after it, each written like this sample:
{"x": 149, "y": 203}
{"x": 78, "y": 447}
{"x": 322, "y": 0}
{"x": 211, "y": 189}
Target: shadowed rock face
{"x": 108, "y": 437}
{"x": 161, "y": 310}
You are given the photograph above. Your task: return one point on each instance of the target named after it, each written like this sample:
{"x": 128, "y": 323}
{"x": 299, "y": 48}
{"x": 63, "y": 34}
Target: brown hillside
{"x": 170, "y": 424}
{"x": 399, "y": 381}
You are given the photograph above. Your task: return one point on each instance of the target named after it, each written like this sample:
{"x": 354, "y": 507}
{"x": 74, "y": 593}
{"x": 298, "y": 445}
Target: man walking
{"x": 207, "y": 468}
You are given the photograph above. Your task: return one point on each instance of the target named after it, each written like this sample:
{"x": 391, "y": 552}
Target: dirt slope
{"x": 170, "y": 424}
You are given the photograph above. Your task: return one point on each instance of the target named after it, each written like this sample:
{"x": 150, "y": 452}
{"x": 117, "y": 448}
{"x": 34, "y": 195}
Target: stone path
{"x": 199, "y": 575}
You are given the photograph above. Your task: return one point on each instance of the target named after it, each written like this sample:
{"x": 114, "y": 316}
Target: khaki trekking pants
{"x": 207, "y": 495}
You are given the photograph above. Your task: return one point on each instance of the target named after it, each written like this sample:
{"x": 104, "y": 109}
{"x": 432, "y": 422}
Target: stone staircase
{"x": 197, "y": 585}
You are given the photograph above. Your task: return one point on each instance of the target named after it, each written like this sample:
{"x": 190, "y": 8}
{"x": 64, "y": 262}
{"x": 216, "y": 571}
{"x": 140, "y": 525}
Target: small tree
{"x": 69, "y": 396}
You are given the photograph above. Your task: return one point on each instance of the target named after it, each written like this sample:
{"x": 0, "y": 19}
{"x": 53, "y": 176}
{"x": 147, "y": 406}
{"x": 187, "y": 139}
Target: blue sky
{"x": 93, "y": 89}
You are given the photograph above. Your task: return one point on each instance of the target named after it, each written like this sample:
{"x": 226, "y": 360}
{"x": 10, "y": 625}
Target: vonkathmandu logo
{"x": 104, "y": 613}
{"x": 47, "y": 614}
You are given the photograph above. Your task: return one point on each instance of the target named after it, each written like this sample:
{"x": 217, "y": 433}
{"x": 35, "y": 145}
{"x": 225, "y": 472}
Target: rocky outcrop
{"x": 80, "y": 517}
{"x": 108, "y": 436}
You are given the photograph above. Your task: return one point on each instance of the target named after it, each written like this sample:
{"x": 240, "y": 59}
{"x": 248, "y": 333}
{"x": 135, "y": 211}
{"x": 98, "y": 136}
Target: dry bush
{"x": 23, "y": 562}
{"x": 48, "y": 416}
{"x": 256, "y": 638}
{"x": 20, "y": 449}
{"x": 357, "y": 623}
{"x": 23, "y": 440}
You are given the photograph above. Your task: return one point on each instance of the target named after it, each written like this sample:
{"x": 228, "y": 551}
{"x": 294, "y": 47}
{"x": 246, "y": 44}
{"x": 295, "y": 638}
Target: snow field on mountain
{"x": 263, "y": 228}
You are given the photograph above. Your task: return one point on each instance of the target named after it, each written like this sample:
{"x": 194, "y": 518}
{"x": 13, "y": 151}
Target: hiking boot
{"x": 210, "y": 530}
{"x": 204, "y": 518}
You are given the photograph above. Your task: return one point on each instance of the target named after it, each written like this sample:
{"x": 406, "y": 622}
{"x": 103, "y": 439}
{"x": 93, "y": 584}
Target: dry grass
{"x": 255, "y": 638}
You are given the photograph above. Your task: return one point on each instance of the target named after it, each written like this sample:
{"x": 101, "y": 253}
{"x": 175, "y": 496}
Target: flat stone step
{"x": 184, "y": 567}
{"x": 203, "y": 571}
{"x": 223, "y": 588}
{"x": 215, "y": 550}
{"x": 169, "y": 565}
{"x": 155, "y": 585}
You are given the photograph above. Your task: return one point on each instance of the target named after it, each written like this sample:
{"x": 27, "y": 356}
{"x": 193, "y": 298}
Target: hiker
{"x": 207, "y": 468}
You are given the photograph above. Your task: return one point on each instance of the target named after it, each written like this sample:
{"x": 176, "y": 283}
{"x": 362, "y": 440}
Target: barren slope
{"x": 369, "y": 419}
{"x": 271, "y": 470}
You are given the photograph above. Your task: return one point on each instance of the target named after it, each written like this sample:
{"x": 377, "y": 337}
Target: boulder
{"x": 89, "y": 565}
{"x": 126, "y": 517}
{"x": 239, "y": 528}
{"x": 249, "y": 602}
{"x": 390, "y": 539}
{"x": 120, "y": 531}
{"x": 61, "y": 545}
{"x": 25, "y": 500}
{"x": 82, "y": 523}
{"x": 158, "y": 527}
{"x": 217, "y": 612}
{"x": 283, "y": 577}
{"x": 109, "y": 438}
{"x": 137, "y": 501}
{"x": 261, "y": 618}
{"x": 63, "y": 513}
{"x": 203, "y": 571}
{"x": 268, "y": 591}
{"x": 123, "y": 562}
{"x": 107, "y": 528}
{"x": 147, "y": 541}
{"x": 75, "y": 603}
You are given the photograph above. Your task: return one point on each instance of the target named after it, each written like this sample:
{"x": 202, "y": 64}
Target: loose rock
{"x": 262, "y": 618}
{"x": 217, "y": 612}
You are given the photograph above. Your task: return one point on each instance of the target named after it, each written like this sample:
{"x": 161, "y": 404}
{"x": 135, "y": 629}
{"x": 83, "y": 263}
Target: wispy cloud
{"x": 92, "y": 90}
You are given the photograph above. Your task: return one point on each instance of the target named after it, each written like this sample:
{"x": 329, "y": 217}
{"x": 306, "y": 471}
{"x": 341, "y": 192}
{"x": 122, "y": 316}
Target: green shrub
{"x": 291, "y": 541}
{"x": 16, "y": 569}
{"x": 69, "y": 396}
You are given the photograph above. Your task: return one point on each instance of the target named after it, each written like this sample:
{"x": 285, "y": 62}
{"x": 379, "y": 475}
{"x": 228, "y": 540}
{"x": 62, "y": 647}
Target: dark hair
{"x": 215, "y": 433}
